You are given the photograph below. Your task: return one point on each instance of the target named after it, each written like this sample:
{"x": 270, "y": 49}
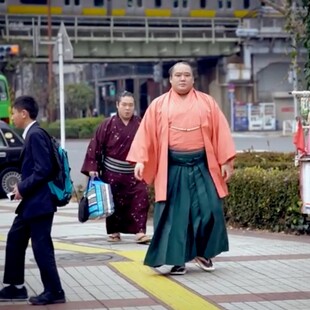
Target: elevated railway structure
{"x": 139, "y": 38}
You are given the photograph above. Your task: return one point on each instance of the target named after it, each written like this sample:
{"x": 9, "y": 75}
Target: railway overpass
{"x": 261, "y": 41}
{"x": 117, "y": 38}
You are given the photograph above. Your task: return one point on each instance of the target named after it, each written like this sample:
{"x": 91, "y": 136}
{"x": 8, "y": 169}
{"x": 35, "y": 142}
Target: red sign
{"x": 287, "y": 109}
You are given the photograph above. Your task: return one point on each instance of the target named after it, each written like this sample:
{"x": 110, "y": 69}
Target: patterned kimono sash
{"x": 118, "y": 166}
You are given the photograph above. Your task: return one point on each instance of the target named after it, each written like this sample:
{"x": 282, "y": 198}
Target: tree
{"x": 79, "y": 97}
{"x": 298, "y": 25}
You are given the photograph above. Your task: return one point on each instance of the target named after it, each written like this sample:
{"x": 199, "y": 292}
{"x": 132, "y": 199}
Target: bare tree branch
{"x": 294, "y": 19}
{"x": 278, "y": 7}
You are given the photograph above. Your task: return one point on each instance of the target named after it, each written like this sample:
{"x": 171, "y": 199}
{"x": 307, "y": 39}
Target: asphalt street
{"x": 256, "y": 141}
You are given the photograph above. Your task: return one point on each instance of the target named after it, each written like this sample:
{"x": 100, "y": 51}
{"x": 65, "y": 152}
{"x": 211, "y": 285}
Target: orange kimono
{"x": 150, "y": 145}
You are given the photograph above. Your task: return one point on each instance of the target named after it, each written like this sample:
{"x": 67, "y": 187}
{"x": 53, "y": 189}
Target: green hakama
{"x": 191, "y": 222}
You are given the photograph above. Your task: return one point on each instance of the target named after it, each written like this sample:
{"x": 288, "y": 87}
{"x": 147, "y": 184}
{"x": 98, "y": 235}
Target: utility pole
{"x": 50, "y": 59}
{"x": 294, "y": 61}
{"x": 96, "y": 68}
{"x": 61, "y": 88}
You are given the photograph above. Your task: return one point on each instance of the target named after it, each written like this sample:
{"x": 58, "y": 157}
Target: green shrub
{"x": 265, "y": 160}
{"x": 75, "y": 128}
{"x": 71, "y": 132}
{"x": 264, "y": 193}
{"x": 86, "y": 133}
{"x": 263, "y": 199}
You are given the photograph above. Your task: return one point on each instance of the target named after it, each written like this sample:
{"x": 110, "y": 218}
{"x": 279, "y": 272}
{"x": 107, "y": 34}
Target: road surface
{"x": 244, "y": 141}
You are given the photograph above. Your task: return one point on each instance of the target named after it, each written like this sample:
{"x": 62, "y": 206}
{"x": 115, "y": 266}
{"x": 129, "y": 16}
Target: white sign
{"x": 66, "y": 45}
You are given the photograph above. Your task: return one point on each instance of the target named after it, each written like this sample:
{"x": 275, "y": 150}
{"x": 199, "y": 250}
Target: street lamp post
{"x": 295, "y": 65}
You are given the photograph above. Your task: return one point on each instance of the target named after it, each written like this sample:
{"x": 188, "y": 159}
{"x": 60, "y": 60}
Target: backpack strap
{"x": 54, "y": 152}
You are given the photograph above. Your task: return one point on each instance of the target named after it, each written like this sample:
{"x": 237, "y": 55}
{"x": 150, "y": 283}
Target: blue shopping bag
{"x": 100, "y": 199}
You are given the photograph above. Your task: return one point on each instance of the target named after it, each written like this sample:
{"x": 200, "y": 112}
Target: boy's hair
{"x": 27, "y": 103}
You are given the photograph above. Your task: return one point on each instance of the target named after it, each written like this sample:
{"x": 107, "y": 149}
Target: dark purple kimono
{"x": 113, "y": 139}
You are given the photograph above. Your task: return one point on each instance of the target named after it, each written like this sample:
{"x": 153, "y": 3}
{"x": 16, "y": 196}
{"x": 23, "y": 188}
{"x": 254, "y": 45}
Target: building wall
{"x": 273, "y": 78}
{"x": 273, "y": 84}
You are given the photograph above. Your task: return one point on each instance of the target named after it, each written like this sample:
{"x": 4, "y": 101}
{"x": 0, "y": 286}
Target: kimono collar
{"x": 173, "y": 94}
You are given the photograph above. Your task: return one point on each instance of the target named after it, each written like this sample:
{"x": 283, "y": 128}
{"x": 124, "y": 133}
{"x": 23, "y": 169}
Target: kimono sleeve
{"x": 95, "y": 150}
{"x": 144, "y": 146}
{"x": 222, "y": 140}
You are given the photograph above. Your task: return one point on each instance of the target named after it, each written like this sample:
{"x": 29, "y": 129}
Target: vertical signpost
{"x": 63, "y": 50}
{"x": 231, "y": 97}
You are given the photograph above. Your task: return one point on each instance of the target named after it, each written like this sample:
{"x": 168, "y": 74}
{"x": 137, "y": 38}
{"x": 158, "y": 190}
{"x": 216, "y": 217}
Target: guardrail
{"x": 111, "y": 29}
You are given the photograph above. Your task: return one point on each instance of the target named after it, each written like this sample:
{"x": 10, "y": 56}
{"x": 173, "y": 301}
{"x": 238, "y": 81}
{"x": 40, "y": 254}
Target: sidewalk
{"x": 261, "y": 271}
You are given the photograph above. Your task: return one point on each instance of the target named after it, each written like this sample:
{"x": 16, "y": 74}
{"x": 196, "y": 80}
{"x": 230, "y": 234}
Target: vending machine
{"x": 241, "y": 119}
{"x": 262, "y": 116}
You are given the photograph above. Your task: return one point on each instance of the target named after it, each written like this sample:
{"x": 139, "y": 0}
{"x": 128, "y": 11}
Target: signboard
{"x": 66, "y": 45}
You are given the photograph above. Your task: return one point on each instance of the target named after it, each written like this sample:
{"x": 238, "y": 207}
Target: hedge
{"x": 264, "y": 193}
{"x": 264, "y": 199}
{"x": 81, "y": 128}
{"x": 265, "y": 160}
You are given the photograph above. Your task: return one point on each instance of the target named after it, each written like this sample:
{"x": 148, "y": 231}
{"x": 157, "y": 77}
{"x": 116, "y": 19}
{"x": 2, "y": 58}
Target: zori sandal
{"x": 144, "y": 239}
{"x": 114, "y": 238}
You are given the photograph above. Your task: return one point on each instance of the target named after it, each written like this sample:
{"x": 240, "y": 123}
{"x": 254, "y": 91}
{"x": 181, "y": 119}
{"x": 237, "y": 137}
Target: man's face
{"x": 182, "y": 79}
{"x": 19, "y": 118}
{"x": 125, "y": 107}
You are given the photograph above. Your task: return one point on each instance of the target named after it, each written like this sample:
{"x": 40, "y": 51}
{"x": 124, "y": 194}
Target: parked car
{"x": 11, "y": 145}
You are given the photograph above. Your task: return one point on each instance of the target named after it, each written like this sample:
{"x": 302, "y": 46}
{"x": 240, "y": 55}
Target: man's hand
{"x": 139, "y": 168}
{"x": 93, "y": 174}
{"x": 17, "y": 195}
{"x": 227, "y": 171}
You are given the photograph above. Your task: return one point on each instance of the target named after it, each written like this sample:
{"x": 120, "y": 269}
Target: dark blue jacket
{"x": 36, "y": 172}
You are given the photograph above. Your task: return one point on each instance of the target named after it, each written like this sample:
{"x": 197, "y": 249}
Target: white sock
{"x": 19, "y": 286}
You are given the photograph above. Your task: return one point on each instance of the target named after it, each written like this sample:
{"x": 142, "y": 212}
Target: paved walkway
{"x": 261, "y": 271}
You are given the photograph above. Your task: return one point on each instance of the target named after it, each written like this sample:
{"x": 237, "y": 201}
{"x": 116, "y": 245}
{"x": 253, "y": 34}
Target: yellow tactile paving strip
{"x": 161, "y": 287}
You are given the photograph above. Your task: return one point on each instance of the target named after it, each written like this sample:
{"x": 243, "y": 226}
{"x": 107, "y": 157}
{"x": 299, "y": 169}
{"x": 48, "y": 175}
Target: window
{"x": 246, "y": 4}
{"x": 11, "y": 138}
{"x": 67, "y": 2}
{"x": 157, "y": 3}
{"x": 203, "y": 4}
{"x": 33, "y": 1}
{"x": 220, "y": 4}
{"x": 139, "y": 3}
{"x": 2, "y": 1}
{"x": 2, "y": 142}
{"x": 3, "y": 92}
{"x": 76, "y": 2}
{"x": 99, "y": 3}
{"x": 228, "y": 4}
{"x": 185, "y": 4}
{"x": 176, "y": 3}
{"x": 129, "y": 3}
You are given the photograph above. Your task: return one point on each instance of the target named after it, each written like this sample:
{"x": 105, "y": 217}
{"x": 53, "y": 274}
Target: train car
{"x": 131, "y": 8}
{"x": 5, "y": 100}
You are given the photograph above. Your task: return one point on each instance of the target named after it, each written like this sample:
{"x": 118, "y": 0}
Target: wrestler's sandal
{"x": 114, "y": 238}
{"x": 144, "y": 239}
{"x": 178, "y": 270}
{"x": 204, "y": 263}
